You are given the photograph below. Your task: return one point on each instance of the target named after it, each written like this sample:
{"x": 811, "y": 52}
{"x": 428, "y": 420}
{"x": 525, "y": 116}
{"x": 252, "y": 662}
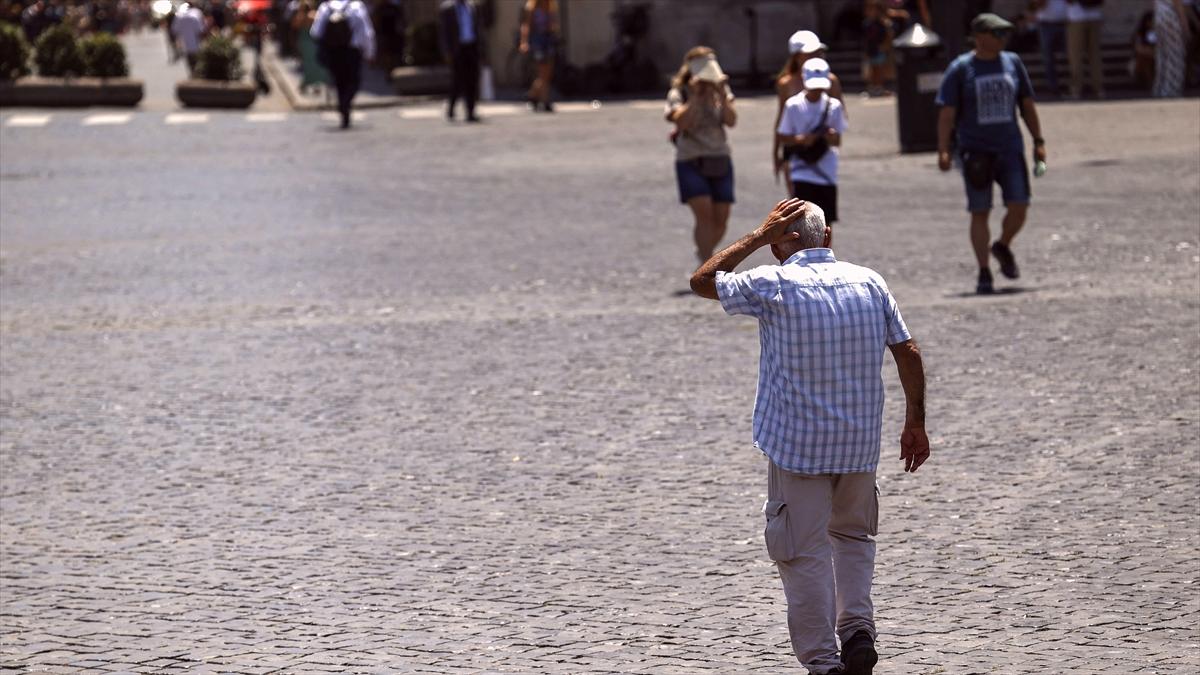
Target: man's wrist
{"x": 1038, "y": 141}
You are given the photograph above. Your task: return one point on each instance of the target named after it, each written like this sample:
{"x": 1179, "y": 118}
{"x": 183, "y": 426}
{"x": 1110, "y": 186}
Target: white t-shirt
{"x": 800, "y": 116}
{"x": 362, "y": 34}
{"x": 1055, "y": 11}
{"x": 1077, "y": 12}
{"x": 188, "y": 27}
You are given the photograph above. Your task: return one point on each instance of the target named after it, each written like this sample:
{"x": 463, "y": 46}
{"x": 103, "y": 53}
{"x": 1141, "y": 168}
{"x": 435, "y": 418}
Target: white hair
{"x": 811, "y": 227}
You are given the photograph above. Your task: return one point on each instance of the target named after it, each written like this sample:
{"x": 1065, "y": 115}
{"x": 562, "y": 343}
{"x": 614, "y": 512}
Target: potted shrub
{"x": 71, "y": 73}
{"x": 103, "y": 56}
{"x": 57, "y": 53}
{"x": 14, "y": 53}
{"x": 217, "y": 80}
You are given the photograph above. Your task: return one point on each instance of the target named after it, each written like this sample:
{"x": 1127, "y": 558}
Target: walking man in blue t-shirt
{"x": 980, "y": 94}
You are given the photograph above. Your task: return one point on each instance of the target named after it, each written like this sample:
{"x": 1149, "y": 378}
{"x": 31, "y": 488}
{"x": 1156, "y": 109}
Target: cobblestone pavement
{"x": 424, "y": 397}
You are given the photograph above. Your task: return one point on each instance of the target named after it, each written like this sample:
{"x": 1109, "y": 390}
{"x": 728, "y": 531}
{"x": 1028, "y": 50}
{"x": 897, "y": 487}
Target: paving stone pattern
{"x": 427, "y": 398}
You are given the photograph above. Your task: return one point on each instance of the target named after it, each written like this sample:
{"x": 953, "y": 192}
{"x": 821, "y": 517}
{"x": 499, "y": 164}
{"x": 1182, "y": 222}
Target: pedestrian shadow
{"x": 1102, "y": 162}
{"x": 682, "y": 293}
{"x": 1007, "y": 290}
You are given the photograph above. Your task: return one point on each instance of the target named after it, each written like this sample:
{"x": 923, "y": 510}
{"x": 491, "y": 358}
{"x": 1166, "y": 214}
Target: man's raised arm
{"x": 772, "y": 230}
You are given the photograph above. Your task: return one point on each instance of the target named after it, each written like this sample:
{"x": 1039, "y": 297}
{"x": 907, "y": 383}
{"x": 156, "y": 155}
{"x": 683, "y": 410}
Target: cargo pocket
{"x": 874, "y": 521}
{"x": 780, "y": 546}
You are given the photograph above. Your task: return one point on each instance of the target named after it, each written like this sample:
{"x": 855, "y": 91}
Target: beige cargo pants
{"x": 821, "y": 534}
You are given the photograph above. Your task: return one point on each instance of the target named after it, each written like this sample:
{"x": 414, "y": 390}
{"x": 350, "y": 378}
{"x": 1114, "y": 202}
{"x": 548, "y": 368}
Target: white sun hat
{"x": 805, "y": 42}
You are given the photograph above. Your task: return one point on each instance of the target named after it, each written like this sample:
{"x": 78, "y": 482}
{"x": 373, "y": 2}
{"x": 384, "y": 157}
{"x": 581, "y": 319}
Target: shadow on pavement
{"x": 1008, "y": 290}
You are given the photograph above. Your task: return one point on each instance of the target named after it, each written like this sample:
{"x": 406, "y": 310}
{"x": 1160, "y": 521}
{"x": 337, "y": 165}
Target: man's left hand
{"x": 914, "y": 448}
{"x": 774, "y": 229}
{"x": 1039, "y": 153}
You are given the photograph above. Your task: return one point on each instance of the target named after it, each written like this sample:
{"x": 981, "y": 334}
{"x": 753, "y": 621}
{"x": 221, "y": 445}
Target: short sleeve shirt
{"x": 707, "y": 137}
{"x": 801, "y": 116}
{"x": 823, "y": 326}
{"x": 986, "y": 94}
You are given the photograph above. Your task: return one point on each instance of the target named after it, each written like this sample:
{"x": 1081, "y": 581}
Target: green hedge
{"x": 219, "y": 59}
{"x": 14, "y": 52}
{"x": 57, "y": 53}
{"x": 104, "y": 56}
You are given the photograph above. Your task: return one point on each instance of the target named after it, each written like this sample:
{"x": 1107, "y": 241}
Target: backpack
{"x": 338, "y": 33}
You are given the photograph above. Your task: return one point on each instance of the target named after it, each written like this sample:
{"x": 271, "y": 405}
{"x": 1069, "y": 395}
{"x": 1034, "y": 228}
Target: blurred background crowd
{"x": 616, "y": 46}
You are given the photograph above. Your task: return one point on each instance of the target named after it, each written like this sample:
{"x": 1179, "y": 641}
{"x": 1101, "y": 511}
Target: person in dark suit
{"x": 461, "y": 37}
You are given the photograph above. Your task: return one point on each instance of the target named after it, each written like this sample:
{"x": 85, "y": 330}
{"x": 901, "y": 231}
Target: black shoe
{"x": 472, "y": 117}
{"x": 345, "y": 120}
{"x": 548, "y": 106}
{"x": 450, "y": 114}
{"x": 984, "y": 286}
{"x": 859, "y": 655}
{"x": 1008, "y": 264}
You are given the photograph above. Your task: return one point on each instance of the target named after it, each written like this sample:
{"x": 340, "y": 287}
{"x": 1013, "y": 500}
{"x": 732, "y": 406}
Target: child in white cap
{"x": 802, "y": 45}
{"x": 810, "y": 132}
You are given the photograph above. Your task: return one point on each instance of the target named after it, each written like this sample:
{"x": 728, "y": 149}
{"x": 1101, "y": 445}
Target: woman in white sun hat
{"x": 802, "y": 46}
{"x": 700, "y": 105}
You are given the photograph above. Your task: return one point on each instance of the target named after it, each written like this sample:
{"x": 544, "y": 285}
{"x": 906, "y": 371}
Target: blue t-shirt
{"x": 986, "y": 94}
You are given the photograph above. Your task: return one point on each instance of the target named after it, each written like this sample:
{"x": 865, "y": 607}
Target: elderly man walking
{"x": 823, "y": 325}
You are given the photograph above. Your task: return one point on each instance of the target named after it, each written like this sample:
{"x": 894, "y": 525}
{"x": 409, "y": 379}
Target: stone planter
{"x": 421, "y": 80}
{"x": 56, "y": 92}
{"x": 215, "y": 94}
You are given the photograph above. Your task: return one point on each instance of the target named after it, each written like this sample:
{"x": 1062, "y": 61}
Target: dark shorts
{"x": 824, "y": 196}
{"x": 541, "y": 47}
{"x": 1012, "y": 174}
{"x": 694, "y": 184}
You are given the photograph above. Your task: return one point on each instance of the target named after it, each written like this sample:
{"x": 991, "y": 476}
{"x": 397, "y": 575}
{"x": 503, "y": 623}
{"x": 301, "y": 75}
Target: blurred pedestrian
{"x": 1141, "y": 66}
{"x": 35, "y": 19}
{"x": 189, "y": 28}
{"x": 219, "y": 14}
{"x": 700, "y": 105}
{"x": 460, "y": 39}
{"x": 539, "y": 38}
{"x": 1052, "y": 38}
{"x": 1084, "y": 20}
{"x": 810, "y": 133}
{"x": 823, "y": 326}
{"x": 391, "y": 24}
{"x": 342, "y": 29}
{"x": 1170, "y": 52}
{"x": 802, "y": 45}
{"x": 169, "y": 29}
{"x": 312, "y": 73}
{"x": 877, "y": 37}
{"x": 979, "y": 96}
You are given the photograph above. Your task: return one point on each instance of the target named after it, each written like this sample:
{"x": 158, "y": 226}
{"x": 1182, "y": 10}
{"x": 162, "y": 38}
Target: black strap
{"x": 824, "y": 115}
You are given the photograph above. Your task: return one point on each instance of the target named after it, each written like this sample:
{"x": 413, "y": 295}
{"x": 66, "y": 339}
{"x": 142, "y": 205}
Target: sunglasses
{"x": 1001, "y": 33}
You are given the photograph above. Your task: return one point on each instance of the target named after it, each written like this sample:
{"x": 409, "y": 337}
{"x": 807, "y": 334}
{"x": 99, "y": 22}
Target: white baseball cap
{"x": 805, "y": 42}
{"x": 816, "y": 74}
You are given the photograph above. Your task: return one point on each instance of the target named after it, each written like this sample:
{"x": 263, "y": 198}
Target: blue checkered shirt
{"x": 822, "y": 328}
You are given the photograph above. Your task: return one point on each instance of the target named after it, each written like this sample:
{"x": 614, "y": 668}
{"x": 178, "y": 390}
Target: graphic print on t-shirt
{"x": 994, "y": 96}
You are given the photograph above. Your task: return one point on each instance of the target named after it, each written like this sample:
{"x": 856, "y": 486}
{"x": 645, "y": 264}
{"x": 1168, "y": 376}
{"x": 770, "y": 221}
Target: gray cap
{"x": 987, "y": 22}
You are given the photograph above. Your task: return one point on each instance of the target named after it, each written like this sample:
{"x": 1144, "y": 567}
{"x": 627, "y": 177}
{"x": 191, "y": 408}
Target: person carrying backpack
{"x": 343, "y": 31}
{"x": 981, "y": 94}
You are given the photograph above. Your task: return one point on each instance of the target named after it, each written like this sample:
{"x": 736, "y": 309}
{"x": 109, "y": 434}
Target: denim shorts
{"x": 1011, "y": 173}
{"x": 693, "y": 184}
